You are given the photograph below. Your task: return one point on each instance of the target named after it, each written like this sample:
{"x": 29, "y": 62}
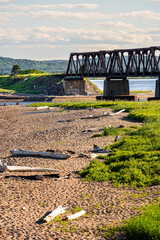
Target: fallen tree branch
{"x": 76, "y": 215}
{"x": 105, "y": 114}
{"x": 28, "y": 169}
{"x": 113, "y": 114}
{"x": 41, "y": 154}
{"x": 4, "y": 167}
{"x": 39, "y": 108}
{"x": 97, "y": 149}
{"x": 35, "y": 177}
{"x": 55, "y": 213}
{"x": 93, "y": 130}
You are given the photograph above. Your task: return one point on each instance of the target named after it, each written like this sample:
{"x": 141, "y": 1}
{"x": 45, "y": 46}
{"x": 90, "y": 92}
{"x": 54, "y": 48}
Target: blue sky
{"x": 52, "y": 29}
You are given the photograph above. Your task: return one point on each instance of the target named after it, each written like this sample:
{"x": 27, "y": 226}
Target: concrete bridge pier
{"x": 74, "y": 85}
{"x": 116, "y": 87}
{"x": 157, "y": 90}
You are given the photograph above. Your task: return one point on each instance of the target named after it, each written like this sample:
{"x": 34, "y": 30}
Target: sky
{"x": 52, "y": 29}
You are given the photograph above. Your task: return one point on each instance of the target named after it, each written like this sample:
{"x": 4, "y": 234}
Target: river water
{"x": 134, "y": 84}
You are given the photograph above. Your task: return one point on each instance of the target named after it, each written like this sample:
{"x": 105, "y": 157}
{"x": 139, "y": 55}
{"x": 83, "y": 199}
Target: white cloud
{"x": 141, "y": 14}
{"x": 48, "y": 6}
{"x": 117, "y": 24}
{"x": 157, "y": 1}
{"x": 48, "y": 35}
{"x": 60, "y": 14}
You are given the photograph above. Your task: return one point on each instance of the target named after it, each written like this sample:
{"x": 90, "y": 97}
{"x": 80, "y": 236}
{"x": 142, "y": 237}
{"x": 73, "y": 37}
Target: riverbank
{"x": 21, "y": 97}
{"x": 24, "y": 202}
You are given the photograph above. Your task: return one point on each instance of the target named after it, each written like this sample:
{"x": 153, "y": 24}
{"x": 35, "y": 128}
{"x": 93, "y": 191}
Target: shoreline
{"x": 21, "y": 97}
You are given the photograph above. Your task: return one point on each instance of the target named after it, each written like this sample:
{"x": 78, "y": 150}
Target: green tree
{"x": 15, "y": 70}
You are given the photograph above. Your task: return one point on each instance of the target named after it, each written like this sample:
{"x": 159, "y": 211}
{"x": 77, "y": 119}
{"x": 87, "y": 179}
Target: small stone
{"x": 23, "y": 208}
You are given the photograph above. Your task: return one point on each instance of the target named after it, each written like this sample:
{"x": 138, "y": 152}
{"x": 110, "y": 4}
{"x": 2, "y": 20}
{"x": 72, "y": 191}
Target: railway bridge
{"x": 116, "y": 66}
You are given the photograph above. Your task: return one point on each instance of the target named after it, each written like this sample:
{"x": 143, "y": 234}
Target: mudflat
{"x": 24, "y": 202}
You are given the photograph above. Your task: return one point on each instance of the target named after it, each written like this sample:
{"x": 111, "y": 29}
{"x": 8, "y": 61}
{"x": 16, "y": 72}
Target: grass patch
{"x": 6, "y": 91}
{"x": 24, "y": 82}
{"x": 112, "y": 131}
{"x": 141, "y": 91}
{"x": 145, "y": 226}
{"x": 109, "y": 231}
{"x": 76, "y": 105}
{"x": 134, "y": 160}
{"x": 76, "y": 209}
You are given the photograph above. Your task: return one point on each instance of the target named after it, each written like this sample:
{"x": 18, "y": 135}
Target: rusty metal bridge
{"x": 117, "y": 63}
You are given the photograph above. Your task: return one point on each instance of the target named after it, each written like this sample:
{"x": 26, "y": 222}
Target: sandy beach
{"x": 23, "y": 202}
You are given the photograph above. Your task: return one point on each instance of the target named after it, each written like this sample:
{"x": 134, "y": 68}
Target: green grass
{"x": 141, "y": 111}
{"x": 76, "y": 105}
{"x": 109, "y": 231}
{"x": 141, "y": 91}
{"x": 145, "y": 226}
{"x": 134, "y": 160}
{"x": 113, "y": 131}
{"x": 19, "y": 83}
{"x": 6, "y": 91}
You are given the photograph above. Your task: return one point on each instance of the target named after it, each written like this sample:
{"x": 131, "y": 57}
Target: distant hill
{"x": 49, "y": 66}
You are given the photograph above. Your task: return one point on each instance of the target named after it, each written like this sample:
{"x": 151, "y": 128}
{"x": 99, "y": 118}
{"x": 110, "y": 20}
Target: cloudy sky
{"x": 51, "y": 29}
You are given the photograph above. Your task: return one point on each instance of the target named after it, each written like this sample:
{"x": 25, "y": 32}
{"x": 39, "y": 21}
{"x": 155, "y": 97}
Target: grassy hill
{"x": 48, "y": 84}
{"x": 50, "y": 66}
{"x": 32, "y": 83}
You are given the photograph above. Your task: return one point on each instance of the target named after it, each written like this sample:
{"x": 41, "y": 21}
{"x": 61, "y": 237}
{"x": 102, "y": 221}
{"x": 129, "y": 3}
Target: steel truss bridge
{"x": 116, "y": 64}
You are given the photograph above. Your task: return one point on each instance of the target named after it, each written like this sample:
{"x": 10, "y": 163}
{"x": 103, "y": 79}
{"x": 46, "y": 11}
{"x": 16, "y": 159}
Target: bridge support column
{"x": 157, "y": 90}
{"x": 74, "y": 85}
{"x": 115, "y": 87}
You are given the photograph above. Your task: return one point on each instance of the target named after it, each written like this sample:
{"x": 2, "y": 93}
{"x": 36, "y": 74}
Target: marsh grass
{"x": 113, "y": 131}
{"x": 145, "y": 226}
{"x": 141, "y": 91}
{"x": 109, "y": 231}
{"x": 6, "y": 91}
{"x": 134, "y": 160}
{"x": 76, "y": 105}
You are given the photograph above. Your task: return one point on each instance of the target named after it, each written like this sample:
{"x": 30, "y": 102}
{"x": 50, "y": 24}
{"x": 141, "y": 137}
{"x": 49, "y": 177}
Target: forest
{"x": 48, "y": 66}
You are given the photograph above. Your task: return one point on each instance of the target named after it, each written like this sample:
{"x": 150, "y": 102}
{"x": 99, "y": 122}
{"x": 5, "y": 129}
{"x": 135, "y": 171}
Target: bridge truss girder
{"x": 116, "y": 63}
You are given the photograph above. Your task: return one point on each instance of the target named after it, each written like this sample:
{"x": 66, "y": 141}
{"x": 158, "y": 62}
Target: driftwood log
{"x": 97, "y": 149}
{"x": 28, "y": 169}
{"x": 113, "y": 114}
{"x": 55, "y": 213}
{"x": 76, "y": 215}
{"x": 44, "y": 107}
{"x": 4, "y": 167}
{"x": 103, "y": 115}
{"x": 40, "y": 154}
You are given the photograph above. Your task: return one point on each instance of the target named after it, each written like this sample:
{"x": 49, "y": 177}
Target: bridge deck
{"x": 116, "y": 64}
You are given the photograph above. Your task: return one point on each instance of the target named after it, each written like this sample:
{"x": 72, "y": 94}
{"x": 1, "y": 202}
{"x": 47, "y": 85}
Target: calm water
{"x": 15, "y": 103}
{"x": 134, "y": 84}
